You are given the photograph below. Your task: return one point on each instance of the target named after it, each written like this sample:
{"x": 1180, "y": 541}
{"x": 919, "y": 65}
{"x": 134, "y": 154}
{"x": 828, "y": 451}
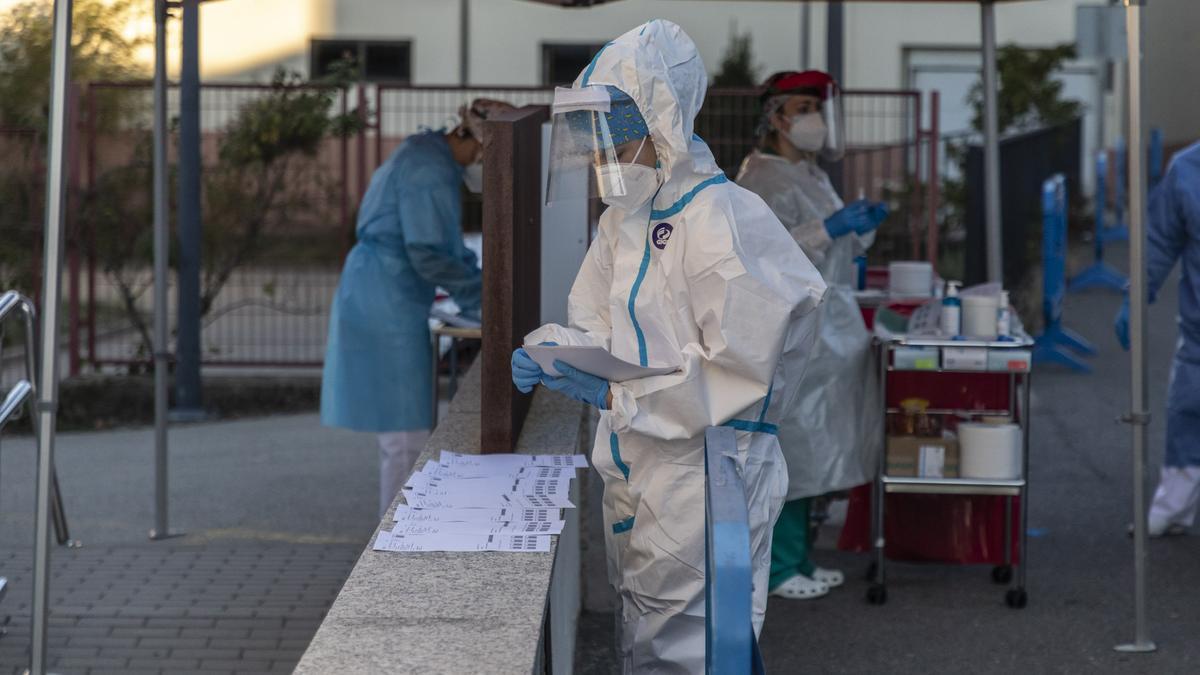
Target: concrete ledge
{"x": 464, "y": 612}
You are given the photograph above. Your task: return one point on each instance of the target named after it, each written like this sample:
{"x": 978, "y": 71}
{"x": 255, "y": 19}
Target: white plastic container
{"x": 979, "y": 316}
{"x": 950, "y": 319}
{"x": 1003, "y": 317}
{"x": 910, "y": 279}
{"x": 989, "y": 451}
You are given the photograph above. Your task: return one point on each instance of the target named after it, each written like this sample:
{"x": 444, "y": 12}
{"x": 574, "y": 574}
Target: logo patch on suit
{"x": 661, "y": 234}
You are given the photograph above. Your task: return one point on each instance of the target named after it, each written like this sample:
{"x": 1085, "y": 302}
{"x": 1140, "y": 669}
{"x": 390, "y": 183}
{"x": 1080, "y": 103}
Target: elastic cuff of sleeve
{"x": 624, "y": 408}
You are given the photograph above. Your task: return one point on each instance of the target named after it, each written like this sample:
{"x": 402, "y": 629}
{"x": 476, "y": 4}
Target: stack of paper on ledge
{"x": 483, "y": 503}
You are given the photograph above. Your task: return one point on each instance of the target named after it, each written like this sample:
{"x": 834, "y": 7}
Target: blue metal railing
{"x": 730, "y": 646}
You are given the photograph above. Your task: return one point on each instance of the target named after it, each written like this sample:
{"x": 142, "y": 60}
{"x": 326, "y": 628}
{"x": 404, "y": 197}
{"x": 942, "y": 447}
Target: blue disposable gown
{"x": 1173, "y": 233}
{"x": 377, "y": 363}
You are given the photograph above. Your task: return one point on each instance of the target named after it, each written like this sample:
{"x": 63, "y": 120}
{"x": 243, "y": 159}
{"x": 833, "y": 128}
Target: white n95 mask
{"x": 808, "y": 132}
{"x": 473, "y": 177}
{"x": 626, "y": 186}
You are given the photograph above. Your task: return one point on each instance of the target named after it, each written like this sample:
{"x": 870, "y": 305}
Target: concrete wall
{"x": 878, "y": 34}
{"x": 506, "y": 35}
{"x": 247, "y": 40}
{"x": 1172, "y": 69}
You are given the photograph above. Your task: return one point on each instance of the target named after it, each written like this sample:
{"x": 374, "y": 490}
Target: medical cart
{"x": 991, "y": 363}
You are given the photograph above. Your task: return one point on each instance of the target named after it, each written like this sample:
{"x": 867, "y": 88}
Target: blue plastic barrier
{"x": 1099, "y": 274}
{"x": 1048, "y": 347}
{"x": 1119, "y": 231}
{"x": 730, "y": 646}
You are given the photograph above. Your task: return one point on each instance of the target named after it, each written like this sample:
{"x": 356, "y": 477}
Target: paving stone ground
{"x": 275, "y": 513}
{"x": 162, "y": 608}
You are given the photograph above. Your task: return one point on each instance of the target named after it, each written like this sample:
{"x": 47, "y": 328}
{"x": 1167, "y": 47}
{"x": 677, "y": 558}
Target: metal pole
{"x": 835, "y": 33}
{"x": 161, "y": 241}
{"x": 464, "y": 42}
{"x": 1139, "y": 416}
{"x": 933, "y": 195}
{"x": 187, "y": 373}
{"x": 991, "y": 144}
{"x": 60, "y": 71}
{"x": 805, "y": 33}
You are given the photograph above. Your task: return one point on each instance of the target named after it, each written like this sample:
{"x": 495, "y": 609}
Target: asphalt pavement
{"x": 952, "y": 619}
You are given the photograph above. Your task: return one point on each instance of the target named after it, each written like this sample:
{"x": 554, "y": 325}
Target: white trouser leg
{"x": 398, "y": 450}
{"x": 1176, "y": 498}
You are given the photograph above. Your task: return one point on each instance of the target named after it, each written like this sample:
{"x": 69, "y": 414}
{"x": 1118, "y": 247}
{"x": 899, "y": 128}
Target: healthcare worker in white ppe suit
{"x": 687, "y": 270}
{"x": 832, "y": 431}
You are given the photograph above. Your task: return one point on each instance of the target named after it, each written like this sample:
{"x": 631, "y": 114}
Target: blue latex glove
{"x": 526, "y": 373}
{"x": 854, "y": 217}
{"x": 579, "y": 385}
{"x": 1121, "y": 324}
{"x": 878, "y": 213}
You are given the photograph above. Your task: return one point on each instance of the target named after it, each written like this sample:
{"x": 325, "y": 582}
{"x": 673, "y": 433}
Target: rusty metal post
{"x": 345, "y": 162}
{"x": 364, "y": 120}
{"x": 379, "y": 91}
{"x": 73, "y": 232}
{"x": 914, "y": 203}
{"x": 512, "y": 242}
{"x": 934, "y": 185}
{"x": 91, "y": 233}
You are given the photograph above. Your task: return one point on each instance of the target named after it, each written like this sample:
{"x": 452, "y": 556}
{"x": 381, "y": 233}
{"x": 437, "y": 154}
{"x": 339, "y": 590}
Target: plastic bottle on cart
{"x": 1003, "y": 317}
{"x": 951, "y": 310}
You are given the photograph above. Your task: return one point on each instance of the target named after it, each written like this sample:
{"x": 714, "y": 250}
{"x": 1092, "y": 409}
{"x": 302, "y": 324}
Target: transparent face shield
{"x": 585, "y": 161}
{"x": 835, "y": 122}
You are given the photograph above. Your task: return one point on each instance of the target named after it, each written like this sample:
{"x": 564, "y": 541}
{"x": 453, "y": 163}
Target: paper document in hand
{"x": 406, "y": 513}
{"x": 597, "y": 361}
{"x": 506, "y": 462}
{"x": 525, "y": 543}
{"x": 555, "y": 527}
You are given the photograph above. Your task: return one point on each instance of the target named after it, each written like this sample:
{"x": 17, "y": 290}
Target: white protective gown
{"x": 833, "y": 428}
{"x": 705, "y": 278}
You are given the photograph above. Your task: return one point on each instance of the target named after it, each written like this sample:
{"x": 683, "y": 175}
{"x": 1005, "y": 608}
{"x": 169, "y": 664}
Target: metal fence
{"x": 275, "y": 287}
{"x": 274, "y": 233}
{"x": 21, "y": 203}
{"x": 890, "y": 156}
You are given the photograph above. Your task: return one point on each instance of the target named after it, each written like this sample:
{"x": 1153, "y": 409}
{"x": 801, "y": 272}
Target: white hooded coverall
{"x": 704, "y": 277}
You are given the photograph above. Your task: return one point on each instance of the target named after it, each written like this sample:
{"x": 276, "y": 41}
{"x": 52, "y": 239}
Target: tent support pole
{"x": 1139, "y": 416}
{"x": 47, "y": 390}
{"x": 991, "y": 144}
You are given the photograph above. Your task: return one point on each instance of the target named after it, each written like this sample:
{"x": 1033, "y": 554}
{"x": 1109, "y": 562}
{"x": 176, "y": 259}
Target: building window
{"x": 562, "y": 63}
{"x": 374, "y": 60}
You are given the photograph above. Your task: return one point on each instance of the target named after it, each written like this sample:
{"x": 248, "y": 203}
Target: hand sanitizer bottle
{"x": 951, "y": 311}
{"x": 1003, "y": 317}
